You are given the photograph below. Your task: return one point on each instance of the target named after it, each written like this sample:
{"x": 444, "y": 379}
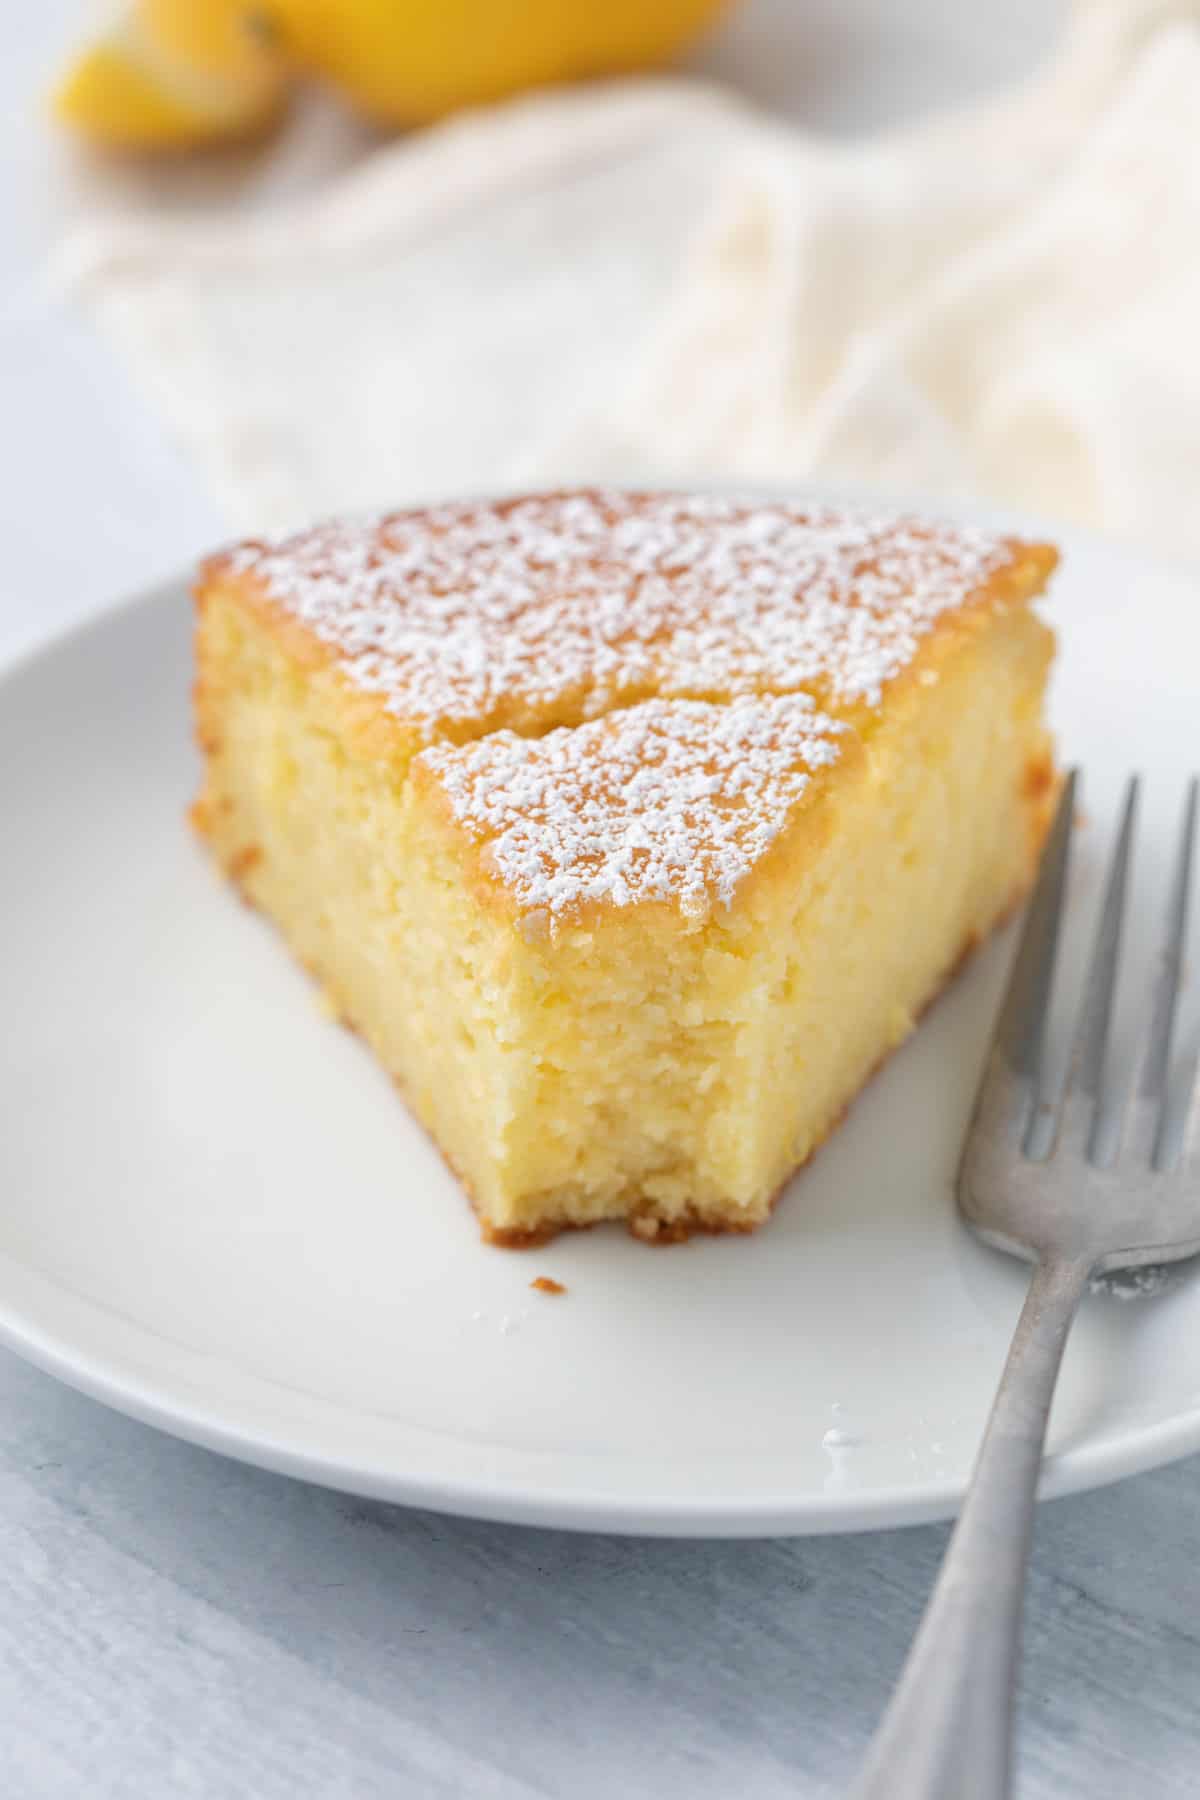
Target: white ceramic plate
{"x": 218, "y": 1217}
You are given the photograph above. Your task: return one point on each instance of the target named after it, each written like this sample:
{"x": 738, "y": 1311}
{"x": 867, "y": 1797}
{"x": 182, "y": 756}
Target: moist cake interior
{"x": 631, "y": 831}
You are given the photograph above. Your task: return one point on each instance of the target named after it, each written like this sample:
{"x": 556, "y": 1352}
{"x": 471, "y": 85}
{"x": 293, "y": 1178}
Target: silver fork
{"x": 947, "y": 1734}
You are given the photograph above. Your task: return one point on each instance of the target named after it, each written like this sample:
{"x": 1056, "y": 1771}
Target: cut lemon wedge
{"x": 127, "y": 92}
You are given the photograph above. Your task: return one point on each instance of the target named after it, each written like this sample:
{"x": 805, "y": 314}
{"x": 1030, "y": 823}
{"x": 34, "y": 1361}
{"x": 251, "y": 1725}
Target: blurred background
{"x": 183, "y": 331}
{"x": 263, "y": 260}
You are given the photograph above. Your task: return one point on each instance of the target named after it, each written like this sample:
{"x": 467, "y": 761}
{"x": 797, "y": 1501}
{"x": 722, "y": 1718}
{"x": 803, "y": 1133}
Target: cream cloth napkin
{"x": 651, "y": 280}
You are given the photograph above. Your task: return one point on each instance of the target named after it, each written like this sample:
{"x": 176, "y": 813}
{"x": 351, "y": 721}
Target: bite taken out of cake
{"x": 631, "y": 830}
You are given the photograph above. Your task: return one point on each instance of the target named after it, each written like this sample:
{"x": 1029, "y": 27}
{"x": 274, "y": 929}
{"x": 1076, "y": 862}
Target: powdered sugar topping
{"x": 525, "y": 613}
{"x": 672, "y": 800}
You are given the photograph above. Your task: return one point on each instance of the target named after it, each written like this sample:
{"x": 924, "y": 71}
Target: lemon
{"x": 405, "y": 62}
{"x": 191, "y": 71}
{"x": 174, "y": 73}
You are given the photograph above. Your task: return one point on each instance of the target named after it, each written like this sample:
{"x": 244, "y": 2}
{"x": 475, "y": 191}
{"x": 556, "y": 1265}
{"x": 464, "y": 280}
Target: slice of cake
{"x": 631, "y": 830}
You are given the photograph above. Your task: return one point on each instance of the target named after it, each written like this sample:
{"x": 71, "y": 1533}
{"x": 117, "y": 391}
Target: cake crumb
{"x": 546, "y": 1284}
{"x": 242, "y": 861}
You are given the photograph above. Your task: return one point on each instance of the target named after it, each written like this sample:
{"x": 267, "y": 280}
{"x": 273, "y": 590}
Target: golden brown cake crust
{"x": 647, "y": 623}
{"x": 670, "y": 802}
{"x": 454, "y": 621}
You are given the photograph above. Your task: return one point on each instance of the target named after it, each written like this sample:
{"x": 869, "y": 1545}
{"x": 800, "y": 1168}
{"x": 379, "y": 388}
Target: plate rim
{"x": 1079, "y": 1467}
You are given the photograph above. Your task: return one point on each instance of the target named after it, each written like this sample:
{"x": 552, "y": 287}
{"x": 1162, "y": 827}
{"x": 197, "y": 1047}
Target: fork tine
{"x": 1147, "y": 1113}
{"x": 1190, "y": 1162}
{"x": 1004, "y": 1115}
{"x": 1080, "y": 1112}
{"x": 1022, "y": 1023}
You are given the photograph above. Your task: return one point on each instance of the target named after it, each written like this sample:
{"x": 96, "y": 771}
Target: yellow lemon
{"x": 190, "y": 71}
{"x": 175, "y": 73}
{"x": 408, "y": 61}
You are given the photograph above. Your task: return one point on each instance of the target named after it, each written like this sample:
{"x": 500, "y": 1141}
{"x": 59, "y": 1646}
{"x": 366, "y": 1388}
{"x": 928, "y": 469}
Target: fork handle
{"x": 947, "y": 1734}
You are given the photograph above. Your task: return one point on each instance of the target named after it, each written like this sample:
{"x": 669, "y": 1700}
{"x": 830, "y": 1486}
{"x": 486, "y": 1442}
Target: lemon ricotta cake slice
{"x": 631, "y": 830}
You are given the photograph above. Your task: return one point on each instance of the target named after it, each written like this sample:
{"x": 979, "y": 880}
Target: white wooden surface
{"x": 175, "y": 1625}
